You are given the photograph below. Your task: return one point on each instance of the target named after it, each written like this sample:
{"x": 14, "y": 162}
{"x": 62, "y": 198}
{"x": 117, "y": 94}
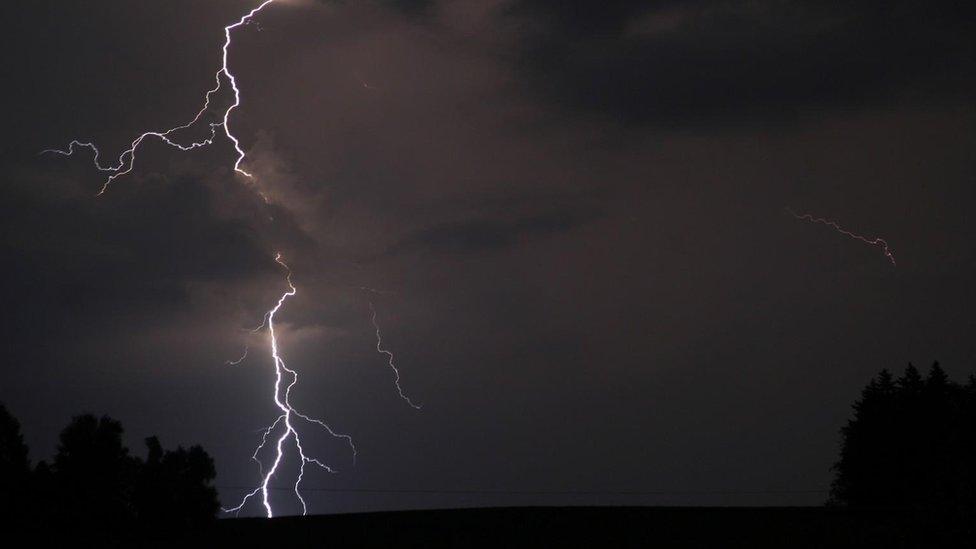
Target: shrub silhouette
{"x": 911, "y": 445}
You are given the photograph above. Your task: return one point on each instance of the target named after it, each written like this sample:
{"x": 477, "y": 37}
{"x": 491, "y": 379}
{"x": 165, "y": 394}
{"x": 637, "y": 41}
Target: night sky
{"x": 574, "y": 212}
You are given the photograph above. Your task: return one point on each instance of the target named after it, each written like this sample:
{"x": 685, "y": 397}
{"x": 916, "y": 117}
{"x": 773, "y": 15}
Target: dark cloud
{"x": 137, "y": 249}
{"x": 584, "y": 282}
{"x": 476, "y": 235}
{"x": 412, "y": 7}
{"x": 681, "y": 64}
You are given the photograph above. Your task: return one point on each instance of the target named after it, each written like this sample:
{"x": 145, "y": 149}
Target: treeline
{"x": 911, "y": 446}
{"x": 94, "y": 487}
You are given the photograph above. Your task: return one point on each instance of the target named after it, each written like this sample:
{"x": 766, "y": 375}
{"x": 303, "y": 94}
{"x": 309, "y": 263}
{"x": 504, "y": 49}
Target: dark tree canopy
{"x": 174, "y": 487}
{"x": 911, "y": 445}
{"x": 94, "y": 487}
{"x": 13, "y": 451}
{"x": 14, "y": 465}
{"x": 94, "y": 472}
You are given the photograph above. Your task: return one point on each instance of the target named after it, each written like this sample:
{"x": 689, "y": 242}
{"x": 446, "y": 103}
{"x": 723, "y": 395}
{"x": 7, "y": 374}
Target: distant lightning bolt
{"x": 834, "y": 225}
{"x": 288, "y": 413}
{"x": 389, "y": 354}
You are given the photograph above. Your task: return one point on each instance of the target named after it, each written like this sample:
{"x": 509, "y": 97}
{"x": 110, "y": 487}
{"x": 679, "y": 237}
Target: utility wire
{"x": 541, "y": 492}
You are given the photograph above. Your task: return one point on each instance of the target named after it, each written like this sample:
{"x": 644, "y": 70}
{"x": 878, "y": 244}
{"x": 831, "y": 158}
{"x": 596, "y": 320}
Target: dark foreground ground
{"x": 608, "y": 527}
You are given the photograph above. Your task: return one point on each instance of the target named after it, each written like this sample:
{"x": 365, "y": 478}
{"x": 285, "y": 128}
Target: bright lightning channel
{"x": 834, "y": 225}
{"x": 126, "y": 160}
{"x": 288, "y": 414}
{"x": 125, "y": 165}
{"x": 389, "y": 354}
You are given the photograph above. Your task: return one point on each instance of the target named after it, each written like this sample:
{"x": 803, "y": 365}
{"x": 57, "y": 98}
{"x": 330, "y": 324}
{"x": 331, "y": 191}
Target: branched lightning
{"x": 283, "y": 429}
{"x": 389, "y": 354}
{"x": 288, "y": 414}
{"x": 126, "y": 160}
{"x": 834, "y": 225}
{"x": 126, "y": 163}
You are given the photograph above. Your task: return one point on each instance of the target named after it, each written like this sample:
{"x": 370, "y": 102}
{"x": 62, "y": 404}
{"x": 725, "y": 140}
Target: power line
{"x": 541, "y": 492}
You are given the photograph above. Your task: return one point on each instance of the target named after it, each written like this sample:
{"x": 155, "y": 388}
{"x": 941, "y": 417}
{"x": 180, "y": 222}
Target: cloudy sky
{"x": 572, "y": 213}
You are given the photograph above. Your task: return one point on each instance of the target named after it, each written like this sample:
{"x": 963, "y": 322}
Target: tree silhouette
{"x": 93, "y": 473}
{"x": 174, "y": 488}
{"x": 95, "y": 489}
{"x": 911, "y": 446}
{"x": 14, "y": 465}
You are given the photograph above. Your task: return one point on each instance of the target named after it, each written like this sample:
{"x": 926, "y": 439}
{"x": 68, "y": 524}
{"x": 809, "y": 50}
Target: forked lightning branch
{"x": 283, "y": 432}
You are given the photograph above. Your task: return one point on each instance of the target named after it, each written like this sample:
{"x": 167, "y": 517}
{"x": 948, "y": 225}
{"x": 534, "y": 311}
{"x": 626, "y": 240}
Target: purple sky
{"x": 575, "y": 210}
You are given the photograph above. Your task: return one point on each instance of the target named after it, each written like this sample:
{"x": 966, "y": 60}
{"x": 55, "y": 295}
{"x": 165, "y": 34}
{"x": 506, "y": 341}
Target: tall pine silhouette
{"x": 911, "y": 445}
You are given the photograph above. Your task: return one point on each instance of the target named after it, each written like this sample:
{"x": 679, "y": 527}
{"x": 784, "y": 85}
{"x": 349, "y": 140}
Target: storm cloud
{"x": 571, "y": 213}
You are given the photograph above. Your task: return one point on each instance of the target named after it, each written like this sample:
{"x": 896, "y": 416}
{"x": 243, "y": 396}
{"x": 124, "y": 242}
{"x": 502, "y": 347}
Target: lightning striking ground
{"x": 389, "y": 354}
{"x": 834, "y": 225}
{"x": 288, "y": 414}
{"x": 125, "y": 164}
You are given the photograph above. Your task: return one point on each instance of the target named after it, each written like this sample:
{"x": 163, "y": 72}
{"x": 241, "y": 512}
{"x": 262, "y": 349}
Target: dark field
{"x": 588, "y": 527}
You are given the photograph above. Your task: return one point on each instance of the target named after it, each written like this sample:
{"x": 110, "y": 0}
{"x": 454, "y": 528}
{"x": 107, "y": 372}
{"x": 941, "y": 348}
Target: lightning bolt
{"x": 239, "y": 360}
{"x": 834, "y": 225}
{"x": 127, "y": 158}
{"x": 283, "y": 374}
{"x": 389, "y": 354}
{"x": 283, "y": 430}
{"x": 287, "y": 417}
